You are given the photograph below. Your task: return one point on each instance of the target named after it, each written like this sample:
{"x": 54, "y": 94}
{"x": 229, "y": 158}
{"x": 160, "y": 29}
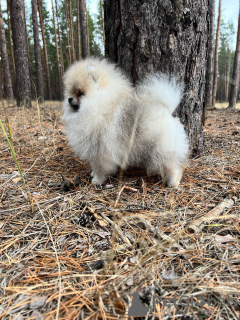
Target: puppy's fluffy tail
{"x": 162, "y": 90}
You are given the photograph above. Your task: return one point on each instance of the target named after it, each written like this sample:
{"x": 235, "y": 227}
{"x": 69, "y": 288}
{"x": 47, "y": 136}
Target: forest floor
{"x": 71, "y": 250}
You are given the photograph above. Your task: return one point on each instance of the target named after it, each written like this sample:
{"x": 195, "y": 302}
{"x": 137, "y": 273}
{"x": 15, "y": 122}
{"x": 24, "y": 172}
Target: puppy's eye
{"x": 80, "y": 94}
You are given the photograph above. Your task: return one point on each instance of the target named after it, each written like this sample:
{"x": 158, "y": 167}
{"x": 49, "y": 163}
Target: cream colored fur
{"x": 117, "y": 125}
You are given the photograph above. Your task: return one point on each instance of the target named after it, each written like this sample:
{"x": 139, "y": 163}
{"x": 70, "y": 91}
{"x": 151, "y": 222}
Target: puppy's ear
{"x": 93, "y": 73}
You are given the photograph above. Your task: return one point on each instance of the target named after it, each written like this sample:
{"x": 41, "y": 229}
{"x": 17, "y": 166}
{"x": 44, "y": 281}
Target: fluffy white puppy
{"x": 112, "y": 125}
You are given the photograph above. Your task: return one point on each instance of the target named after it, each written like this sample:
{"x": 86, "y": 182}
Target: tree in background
{"x": 45, "y": 51}
{"x": 10, "y": 40}
{"x": 235, "y": 75}
{"x": 215, "y": 73}
{"x": 83, "y": 28}
{"x": 58, "y": 55}
{"x": 23, "y": 86}
{"x": 57, "y": 43}
{"x": 210, "y": 59}
{"x": 225, "y": 60}
{"x": 172, "y": 39}
{"x": 8, "y": 89}
{"x": 37, "y": 52}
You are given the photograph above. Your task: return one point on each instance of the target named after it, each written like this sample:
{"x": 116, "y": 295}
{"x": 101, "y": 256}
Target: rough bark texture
{"x": 235, "y": 75}
{"x": 5, "y": 63}
{"x": 215, "y": 73}
{"x": 210, "y": 59}
{"x": 167, "y": 36}
{"x": 37, "y": 52}
{"x": 46, "y": 68}
{"x": 23, "y": 86}
{"x": 83, "y": 28}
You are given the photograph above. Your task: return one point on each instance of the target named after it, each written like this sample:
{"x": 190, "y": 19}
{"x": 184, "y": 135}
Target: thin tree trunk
{"x": 210, "y": 59}
{"x": 83, "y": 28}
{"x": 46, "y": 68}
{"x": 215, "y": 77}
{"x": 68, "y": 36}
{"x": 57, "y": 52}
{"x": 235, "y": 76}
{"x": 228, "y": 73}
{"x": 23, "y": 86}
{"x": 78, "y": 33}
{"x": 87, "y": 30}
{"x": 27, "y": 47}
{"x": 177, "y": 45}
{"x": 73, "y": 53}
{"x": 37, "y": 52}
{"x": 5, "y": 63}
{"x": 102, "y": 23}
{"x": 10, "y": 39}
{"x": 60, "y": 43}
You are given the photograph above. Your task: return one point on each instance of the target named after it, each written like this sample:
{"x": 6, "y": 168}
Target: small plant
{"x": 11, "y": 147}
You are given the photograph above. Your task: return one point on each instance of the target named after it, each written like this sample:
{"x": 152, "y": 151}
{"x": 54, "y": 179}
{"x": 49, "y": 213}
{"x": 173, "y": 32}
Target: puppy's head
{"x": 80, "y": 81}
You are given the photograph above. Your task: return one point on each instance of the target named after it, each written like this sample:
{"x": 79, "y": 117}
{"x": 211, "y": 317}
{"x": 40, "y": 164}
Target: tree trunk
{"x": 5, "y": 63}
{"x": 210, "y": 59}
{"x": 78, "y": 33}
{"x": 215, "y": 76}
{"x": 73, "y": 54}
{"x": 69, "y": 58}
{"x": 60, "y": 43}
{"x": 87, "y": 31}
{"x": 37, "y": 53}
{"x": 167, "y": 36}
{"x": 23, "y": 86}
{"x": 228, "y": 73}
{"x": 235, "y": 75}
{"x": 10, "y": 40}
{"x": 83, "y": 28}
{"x": 46, "y": 68}
{"x": 102, "y": 22}
{"x": 57, "y": 53}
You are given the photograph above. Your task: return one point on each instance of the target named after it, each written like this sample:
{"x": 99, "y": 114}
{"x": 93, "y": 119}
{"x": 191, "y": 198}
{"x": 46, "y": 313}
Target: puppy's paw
{"x": 92, "y": 174}
{"x": 97, "y": 180}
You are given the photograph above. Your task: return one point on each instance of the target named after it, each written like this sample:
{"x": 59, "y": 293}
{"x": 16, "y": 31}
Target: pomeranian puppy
{"x": 113, "y": 125}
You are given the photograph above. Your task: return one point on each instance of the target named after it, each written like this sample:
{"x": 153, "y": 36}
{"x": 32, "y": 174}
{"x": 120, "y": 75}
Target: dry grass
{"x": 84, "y": 252}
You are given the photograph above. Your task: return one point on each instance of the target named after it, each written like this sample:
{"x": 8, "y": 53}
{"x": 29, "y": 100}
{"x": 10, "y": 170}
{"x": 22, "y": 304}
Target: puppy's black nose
{"x": 70, "y": 100}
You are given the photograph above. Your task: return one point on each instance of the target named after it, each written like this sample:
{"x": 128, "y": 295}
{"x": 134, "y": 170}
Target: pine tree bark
{"x": 210, "y": 59}
{"x": 23, "y": 86}
{"x": 167, "y": 36}
{"x": 37, "y": 53}
{"x": 215, "y": 75}
{"x": 46, "y": 68}
{"x": 235, "y": 76}
{"x": 83, "y": 28}
{"x": 5, "y": 63}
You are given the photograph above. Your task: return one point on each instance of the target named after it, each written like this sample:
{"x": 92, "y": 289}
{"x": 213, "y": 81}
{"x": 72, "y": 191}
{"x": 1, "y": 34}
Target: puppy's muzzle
{"x": 73, "y": 104}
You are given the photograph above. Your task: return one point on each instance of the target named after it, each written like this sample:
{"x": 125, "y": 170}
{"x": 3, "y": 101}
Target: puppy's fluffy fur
{"x": 111, "y": 124}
